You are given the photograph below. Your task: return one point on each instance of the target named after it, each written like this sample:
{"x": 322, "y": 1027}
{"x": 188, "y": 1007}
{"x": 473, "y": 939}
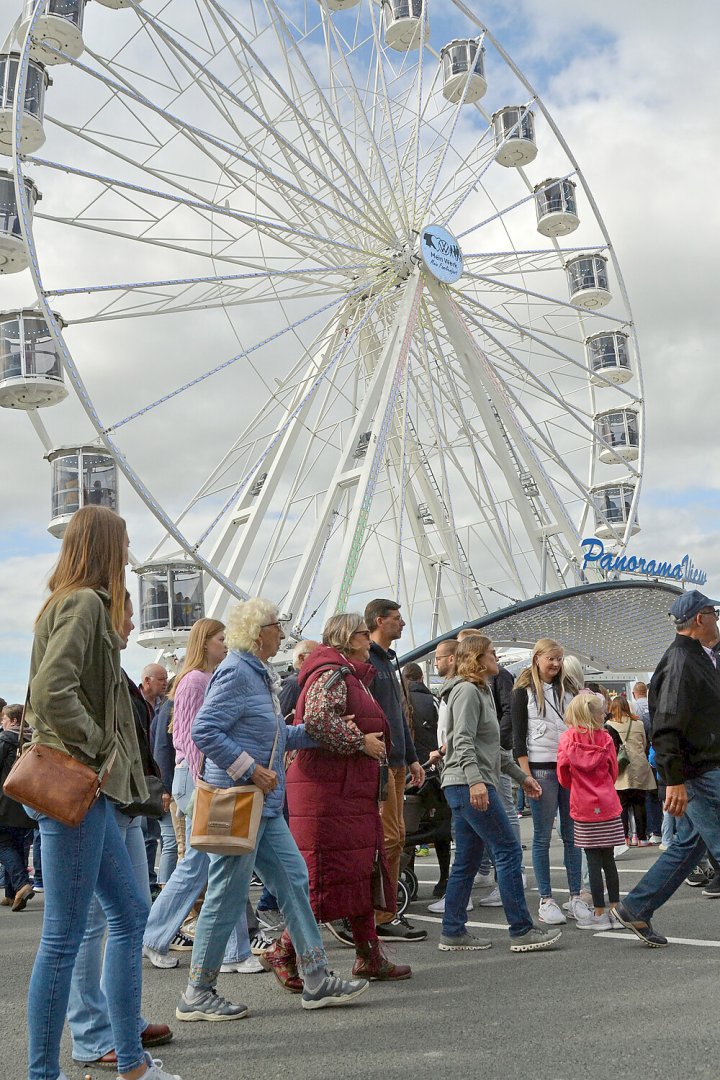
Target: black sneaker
{"x": 642, "y": 928}
{"x": 342, "y": 931}
{"x": 701, "y": 875}
{"x": 713, "y": 887}
{"x": 400, "y": 930}
{"x": 181, "y": 943}
{"x": 440, "y": 889}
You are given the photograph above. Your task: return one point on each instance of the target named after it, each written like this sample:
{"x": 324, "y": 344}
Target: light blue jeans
{"x": 76, "y": 864}
{"x": 505, "y": 791}
{"x": 183, "y": 887}
{"x": 87, "y": 1012}
{"x": 697, "y": 829}
{"x": 553, "y": 798}
{"x": 283, "y": 869}
{"x": 168, "y": 849}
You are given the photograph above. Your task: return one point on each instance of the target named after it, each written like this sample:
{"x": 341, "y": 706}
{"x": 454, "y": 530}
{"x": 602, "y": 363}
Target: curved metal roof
{"x": 614, "y": 625}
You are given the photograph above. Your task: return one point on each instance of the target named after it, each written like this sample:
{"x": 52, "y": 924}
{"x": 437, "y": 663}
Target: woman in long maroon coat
{"x": 333, "y": 792}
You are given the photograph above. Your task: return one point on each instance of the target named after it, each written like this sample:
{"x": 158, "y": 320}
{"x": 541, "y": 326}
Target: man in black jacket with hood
{"x": 684, "y": 706}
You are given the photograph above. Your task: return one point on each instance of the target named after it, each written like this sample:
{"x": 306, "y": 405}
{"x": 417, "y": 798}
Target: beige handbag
{"x": 225, "y": 820}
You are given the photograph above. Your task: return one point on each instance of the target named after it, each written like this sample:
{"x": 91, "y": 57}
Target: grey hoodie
{"x": 474, "y": 754}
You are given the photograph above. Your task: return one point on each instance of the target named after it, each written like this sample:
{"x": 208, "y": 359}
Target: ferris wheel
{"x": 328, "y": 287}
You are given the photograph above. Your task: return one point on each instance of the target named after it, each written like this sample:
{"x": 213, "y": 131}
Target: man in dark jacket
{"x": 684, "y": 705}
{"x": 386, "y": 624}
{"x": 290, "y": 688}
{"x": 15, "y": 825}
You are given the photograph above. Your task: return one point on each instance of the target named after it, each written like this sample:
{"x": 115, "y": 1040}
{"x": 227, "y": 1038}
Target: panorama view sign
{"x": 440, "y": 252}
{"x": 596, "y": 555}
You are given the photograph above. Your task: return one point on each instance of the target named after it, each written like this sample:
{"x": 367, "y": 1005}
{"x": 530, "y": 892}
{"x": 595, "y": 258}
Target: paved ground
{"x": 599, "y": 1006}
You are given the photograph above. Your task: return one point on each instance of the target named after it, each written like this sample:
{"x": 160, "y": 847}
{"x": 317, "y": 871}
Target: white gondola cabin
{"x": 81, "y": 476}
{"x": 333, "y": 5}
{"x": 171, "y": 601}
{"x": 31, "y": 374}
{"x": 463, "y": 65}
{"x": 403, "y": 24}
{"x": 588, "y": 281}
{"x": 514, "y": 132}
{"x": 612, "y": 504}
{"x": 60, "y": 26}
{"x": 617, "y": 432}
{"x": 556, "y": 207}
{"x": 608, "y": 357}
{"x": 13, "y": 254}
{"x": 32, "y": 133}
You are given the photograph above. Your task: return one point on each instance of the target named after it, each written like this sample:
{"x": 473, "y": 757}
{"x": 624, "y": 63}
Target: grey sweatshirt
{"x": 474, "y": 754}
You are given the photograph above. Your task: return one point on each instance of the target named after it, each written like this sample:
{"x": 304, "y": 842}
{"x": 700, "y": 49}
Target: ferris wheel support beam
{"x": 487, "y": 392}
{"x": 348, "y": 480}
{"x": 249, "y": 514}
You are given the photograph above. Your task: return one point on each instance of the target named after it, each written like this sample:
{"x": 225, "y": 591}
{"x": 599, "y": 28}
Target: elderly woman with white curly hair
{"x": 236, "y": 728}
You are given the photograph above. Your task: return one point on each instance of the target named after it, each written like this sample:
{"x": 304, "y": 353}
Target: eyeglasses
{"x": 715, "y": 612}
{"x": 278, "y": 623}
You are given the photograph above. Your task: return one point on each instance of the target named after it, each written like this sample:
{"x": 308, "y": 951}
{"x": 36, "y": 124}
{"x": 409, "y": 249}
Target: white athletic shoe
{"x": 550, "y": 913}
{"x": 158, "y": 959}
{"x": 577, "y": 908}
{"x": 595, "y": 922}
{"x": 484, "y": 881}
{"x": 439, "y": 906}
{"x": 492, "y": 899}
{"x": 251, "y": 966}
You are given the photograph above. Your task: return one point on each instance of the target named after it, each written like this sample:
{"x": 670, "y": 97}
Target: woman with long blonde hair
{"x": 205, "y": 650}
{"x": 474, "y": 761}
{"x": 539, "y": 700}
{"x": 79, "y": 704}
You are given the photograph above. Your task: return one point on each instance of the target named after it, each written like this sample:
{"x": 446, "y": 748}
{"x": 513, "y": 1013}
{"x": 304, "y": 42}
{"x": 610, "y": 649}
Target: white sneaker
{"x": 484, "y": 881}
{"x": 654, "y": 839}
{"x": 549, "y": 913}
{"x": 156, "y": 1072}
{"x": 524, "y": 877}
{"x": 577, "y": 908}
{"x": 492, "y": 899}
{"x": 621, "y": 849}
{"x": 595, "y": 922}
{"x": 251, "y": 966}
{"x": 439, "y": 906}
{"x": 158, "y": 959}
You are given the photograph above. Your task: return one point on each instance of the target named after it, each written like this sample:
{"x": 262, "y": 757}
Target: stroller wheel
{"x": 410, "y": 881}
{"x": 403, "y": 897}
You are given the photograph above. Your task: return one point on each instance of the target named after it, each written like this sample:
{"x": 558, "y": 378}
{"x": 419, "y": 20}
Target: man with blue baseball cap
{"x": 684, "y": 702}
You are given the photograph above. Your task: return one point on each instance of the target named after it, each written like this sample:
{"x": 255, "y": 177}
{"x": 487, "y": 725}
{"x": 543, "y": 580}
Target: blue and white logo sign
{"x": 441, "y": 253}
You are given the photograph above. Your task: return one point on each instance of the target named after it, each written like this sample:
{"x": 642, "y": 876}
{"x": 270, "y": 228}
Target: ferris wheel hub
{"x": 440, "y": 253}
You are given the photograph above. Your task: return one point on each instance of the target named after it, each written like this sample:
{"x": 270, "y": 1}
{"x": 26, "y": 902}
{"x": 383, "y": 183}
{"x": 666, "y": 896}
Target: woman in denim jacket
{"x": 236, "y": 728}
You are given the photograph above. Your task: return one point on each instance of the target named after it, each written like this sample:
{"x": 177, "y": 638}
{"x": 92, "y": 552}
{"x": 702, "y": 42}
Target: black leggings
{"x": 602, "y": 860}
{"x": 636, "y": 799}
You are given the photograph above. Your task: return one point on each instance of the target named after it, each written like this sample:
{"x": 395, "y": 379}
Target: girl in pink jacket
{"x": 587, "y": 764}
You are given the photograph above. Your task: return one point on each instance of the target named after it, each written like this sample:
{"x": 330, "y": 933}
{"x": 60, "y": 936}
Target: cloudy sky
{"x": 633, "y": 86}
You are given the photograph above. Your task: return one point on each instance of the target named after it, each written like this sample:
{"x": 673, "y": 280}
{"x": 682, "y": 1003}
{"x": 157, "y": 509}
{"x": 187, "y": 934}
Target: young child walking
{"x": 587, "y": 764}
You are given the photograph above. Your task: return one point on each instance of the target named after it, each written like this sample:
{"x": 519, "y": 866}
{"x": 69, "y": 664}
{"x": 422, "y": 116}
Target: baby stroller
{"x": 427, "y": 821}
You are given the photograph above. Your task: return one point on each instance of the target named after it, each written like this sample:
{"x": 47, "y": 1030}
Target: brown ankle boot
{"x": 371, "y": 963}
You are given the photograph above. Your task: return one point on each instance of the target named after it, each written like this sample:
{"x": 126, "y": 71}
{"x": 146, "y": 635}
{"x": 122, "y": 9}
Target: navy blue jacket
{"x": 386, "y": 690}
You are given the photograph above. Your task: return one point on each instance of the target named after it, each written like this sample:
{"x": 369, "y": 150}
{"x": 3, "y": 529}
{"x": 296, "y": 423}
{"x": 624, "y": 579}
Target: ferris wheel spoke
{"x": 373, "y": 205}
{"x": 289, "y": 149}
{"x": 518, "y": 290}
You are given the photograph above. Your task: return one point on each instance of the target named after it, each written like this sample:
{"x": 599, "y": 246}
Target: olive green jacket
{"x": 79, "y": 701}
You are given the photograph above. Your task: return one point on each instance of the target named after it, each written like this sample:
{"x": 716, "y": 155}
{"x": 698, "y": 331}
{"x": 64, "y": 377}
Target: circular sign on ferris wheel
{"x": 441, "y": 254}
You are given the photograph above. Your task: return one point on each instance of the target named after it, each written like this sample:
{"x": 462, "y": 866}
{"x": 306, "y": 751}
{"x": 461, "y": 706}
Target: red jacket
{"x": 332, "y": 801}
{"x": 587, "y": 764}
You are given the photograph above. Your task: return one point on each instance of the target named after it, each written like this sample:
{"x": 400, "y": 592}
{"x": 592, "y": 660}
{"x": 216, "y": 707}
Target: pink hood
{"x": 587, "y": 764}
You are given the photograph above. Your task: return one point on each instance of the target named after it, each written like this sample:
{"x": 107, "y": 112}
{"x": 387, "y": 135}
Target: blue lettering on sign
{"x": 595, "y": 553}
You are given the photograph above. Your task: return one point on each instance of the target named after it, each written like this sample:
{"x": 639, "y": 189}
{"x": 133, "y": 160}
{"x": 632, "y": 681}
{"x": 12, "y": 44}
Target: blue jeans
{"x": 13, "y": 848}
{"x": 151, "y": 832}
{"x": 506, "y": 794}
{"x": 87, "y": 1012}
{"x": 183, "y": 887}
{"x": 697, "y": 829}
{"x": 37, "y": 858}
{"x": 281, "y": 865}
{"x": 473, "y": 830}
{"x": 76, "y": 864}
{"x": 553, "y": 798}
{"x": 168, "y": 849}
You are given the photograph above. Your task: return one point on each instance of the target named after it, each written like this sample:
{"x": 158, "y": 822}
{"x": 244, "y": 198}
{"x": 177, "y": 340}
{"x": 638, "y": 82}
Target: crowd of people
{"x": 332, "y": 748}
